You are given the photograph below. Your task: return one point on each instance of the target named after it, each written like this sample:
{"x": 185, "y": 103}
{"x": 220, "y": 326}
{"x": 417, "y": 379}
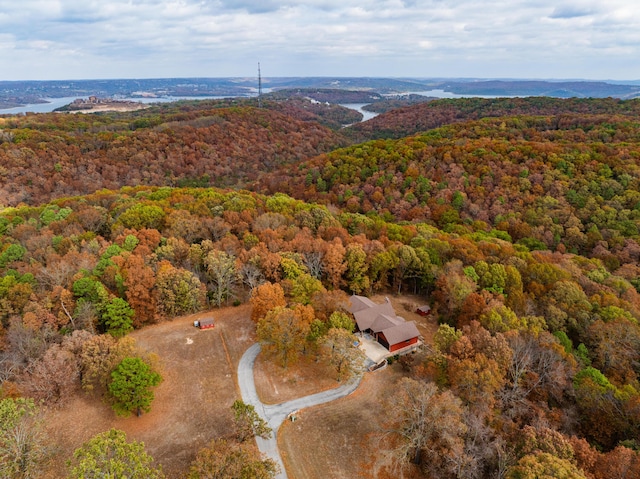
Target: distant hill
{"x": 16, "y": 93}
{"x": 559, "y": 89}
{"x": 538, "y": 178}
{"x": 51, "y": 155}
{"x": 329, "y": 95}
{"x": 424, "y": 116}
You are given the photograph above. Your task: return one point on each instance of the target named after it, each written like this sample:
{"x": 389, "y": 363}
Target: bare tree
{"x": 314, "y": 261}
{"x": 52, "y": 377}
{"x": 251, "y": 275}
{"x": 429, "y": 428}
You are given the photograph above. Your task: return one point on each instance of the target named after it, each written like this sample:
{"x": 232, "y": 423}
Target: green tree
{"x": 179, "y": 291}
{"x": 304, "y": 287}
{"x": 141, "y": 216}
{"x": 222, "y": 459}
{"x": 22, "y": 447}
{"x": 222, "y": 275}
{"x": 248, "y": 423}
{"x": 543, "y": 465}
{"x": 338, "y": 319}
{"x": 357, "y": 268}
{"x": 118, "y": 317}
{"x": 14, "y": 252}
{"x": 108, "y": 455}
{"x": 130, "y": 386}
{"x": 492, "y": 277}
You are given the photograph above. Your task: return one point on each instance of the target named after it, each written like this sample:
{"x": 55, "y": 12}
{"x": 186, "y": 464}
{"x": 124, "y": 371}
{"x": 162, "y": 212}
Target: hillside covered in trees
{"x": 563, "y": 182}
{"x": 520, "y": 231}
{"x": 51, "y": 155}
{"x": 425, "y": 116}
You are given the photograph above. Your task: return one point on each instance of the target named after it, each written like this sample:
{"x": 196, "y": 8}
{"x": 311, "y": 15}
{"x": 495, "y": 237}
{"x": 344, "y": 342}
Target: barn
{"x": 424, "y": 310}
{"x": 381, "y": 321}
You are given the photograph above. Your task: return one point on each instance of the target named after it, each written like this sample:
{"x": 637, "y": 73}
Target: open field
{"x": 192, "y": 405}
{"x": 339, "y": 439}
{"x": 276, "y": 385}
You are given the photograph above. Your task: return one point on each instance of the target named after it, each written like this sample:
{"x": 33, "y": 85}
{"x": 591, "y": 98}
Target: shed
{"x": 424, "y": 310}
{"x": 205, "y": 323}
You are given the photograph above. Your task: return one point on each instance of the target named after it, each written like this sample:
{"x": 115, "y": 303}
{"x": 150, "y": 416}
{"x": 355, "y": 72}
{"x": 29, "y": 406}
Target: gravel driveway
{"x": 275, "y": 414}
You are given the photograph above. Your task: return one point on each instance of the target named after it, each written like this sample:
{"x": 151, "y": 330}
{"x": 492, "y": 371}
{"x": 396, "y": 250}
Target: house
{"x": 381, "y": 321}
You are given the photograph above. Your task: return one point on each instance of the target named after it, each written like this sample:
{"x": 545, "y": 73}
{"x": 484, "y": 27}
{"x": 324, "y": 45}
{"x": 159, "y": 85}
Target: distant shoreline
{"x": 94, "y": 104}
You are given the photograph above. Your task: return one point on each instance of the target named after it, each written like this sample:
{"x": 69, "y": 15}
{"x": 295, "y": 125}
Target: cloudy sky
{"x": 73, "y": 39}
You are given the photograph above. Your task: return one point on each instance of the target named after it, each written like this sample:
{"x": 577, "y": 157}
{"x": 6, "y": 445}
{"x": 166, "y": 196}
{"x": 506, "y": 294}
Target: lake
{"x": 366, "y": 115}
{"x": 54, "y": 103}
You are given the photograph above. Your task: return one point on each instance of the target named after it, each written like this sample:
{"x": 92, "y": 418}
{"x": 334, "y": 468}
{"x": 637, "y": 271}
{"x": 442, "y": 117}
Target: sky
{"x": 537, "y": 39}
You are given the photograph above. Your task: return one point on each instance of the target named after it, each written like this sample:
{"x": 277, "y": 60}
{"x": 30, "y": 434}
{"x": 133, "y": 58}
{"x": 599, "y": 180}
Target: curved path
{"x": 275, "y": 414}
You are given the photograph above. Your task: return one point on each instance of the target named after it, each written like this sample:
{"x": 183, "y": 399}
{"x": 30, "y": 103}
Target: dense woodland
{"x": 52, "y": 155}
{"x": 428, "y": 115}
{"x": 521, "y": 231}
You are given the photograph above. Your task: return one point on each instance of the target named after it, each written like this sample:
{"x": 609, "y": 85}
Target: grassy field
{"x": 192, "y": 405}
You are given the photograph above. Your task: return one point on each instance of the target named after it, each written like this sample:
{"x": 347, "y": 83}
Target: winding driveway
{"x": 275, "y": 414}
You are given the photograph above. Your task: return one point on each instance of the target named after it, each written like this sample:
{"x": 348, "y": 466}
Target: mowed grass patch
{"x": 341, "y": 439}
{"x": 276, "y": 384}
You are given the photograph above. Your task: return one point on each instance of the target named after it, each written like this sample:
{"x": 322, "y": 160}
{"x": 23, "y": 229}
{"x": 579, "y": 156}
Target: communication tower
{"x": 259, "y": 87}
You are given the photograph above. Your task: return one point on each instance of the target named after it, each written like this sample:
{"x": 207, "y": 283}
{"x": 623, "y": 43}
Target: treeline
{"x": 395, "y": 102}
{"x": 53, "y": 155}
{"x": 306, "y": 109}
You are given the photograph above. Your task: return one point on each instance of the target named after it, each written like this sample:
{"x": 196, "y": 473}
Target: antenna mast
{"x": 259, "y": 87}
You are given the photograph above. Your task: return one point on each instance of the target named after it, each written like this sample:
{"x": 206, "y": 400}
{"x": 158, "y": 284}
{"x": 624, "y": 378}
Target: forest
{"x": 515, "y": 219}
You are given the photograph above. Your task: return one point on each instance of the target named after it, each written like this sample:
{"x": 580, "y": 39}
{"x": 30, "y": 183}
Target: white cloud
{"x": 473, "y": 38}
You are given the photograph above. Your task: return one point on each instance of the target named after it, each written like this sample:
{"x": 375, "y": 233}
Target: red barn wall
{"x": 404, "y": 344}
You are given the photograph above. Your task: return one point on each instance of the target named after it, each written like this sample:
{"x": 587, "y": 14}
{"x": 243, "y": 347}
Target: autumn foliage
{"x": 521, "y": 232}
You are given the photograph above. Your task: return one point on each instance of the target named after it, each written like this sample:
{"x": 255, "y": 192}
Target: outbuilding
{"x": 206, "y": 323}
{"x": 424, "y": 310}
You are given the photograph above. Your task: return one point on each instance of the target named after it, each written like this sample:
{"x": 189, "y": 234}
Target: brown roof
{"x": 401, "y": 332}
{"x": 366, "y": 317}
{"x": 358, "y": 303}
{"x": 384, "y": 321}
